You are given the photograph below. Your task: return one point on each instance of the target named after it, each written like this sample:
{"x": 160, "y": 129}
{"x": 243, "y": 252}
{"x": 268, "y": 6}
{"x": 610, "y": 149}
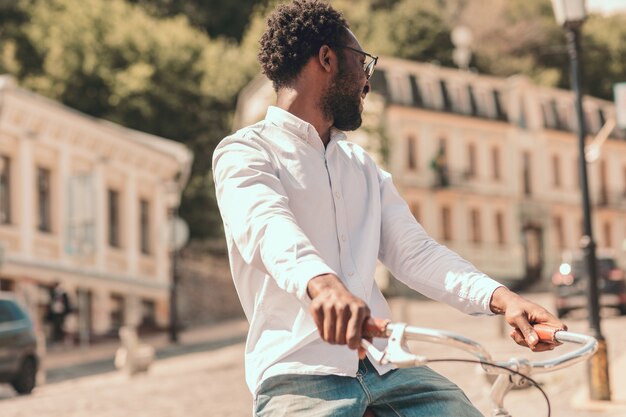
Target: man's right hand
{"x": 338, "y": 314}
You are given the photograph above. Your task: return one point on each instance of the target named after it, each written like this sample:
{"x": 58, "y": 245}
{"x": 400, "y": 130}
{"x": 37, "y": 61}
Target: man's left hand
{"x": 522, "y": 314}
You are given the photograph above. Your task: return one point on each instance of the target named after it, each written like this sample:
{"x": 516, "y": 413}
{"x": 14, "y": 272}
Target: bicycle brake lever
{"x": 394, "y": 353}
{"x": 375, "y": 354}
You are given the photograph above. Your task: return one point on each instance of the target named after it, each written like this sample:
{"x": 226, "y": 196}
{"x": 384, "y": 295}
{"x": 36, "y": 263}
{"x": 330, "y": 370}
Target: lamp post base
{"x": 598, "y": 374}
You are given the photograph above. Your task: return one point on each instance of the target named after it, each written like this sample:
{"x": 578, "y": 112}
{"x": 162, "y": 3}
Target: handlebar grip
{"x": 374, "y": 327}
{"x": 546, "y": 332}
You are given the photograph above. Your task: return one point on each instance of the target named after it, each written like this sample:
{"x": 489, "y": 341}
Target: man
{"x": 307, "y": 214}
{"x": 58, "y": 309}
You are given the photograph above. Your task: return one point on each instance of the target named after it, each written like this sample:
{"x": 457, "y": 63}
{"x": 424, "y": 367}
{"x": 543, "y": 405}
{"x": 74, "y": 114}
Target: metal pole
{"x": 599, "y": 388}
{"x": 174, "y": 284}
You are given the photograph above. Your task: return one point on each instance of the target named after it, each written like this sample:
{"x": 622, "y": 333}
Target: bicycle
{"x": 511, "y": 373}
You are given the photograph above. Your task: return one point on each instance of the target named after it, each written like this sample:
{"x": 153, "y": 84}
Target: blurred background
{"x": 110, "y": 111}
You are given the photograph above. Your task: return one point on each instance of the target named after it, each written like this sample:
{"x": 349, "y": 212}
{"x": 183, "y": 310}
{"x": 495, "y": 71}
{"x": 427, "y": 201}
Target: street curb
{"x": 106, "y": 365}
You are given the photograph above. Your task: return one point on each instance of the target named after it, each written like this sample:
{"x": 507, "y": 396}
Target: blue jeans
{"x": 410, "y": 392}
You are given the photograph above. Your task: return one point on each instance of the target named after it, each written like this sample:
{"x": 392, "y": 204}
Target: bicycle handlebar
{"x": 397, "y": 333}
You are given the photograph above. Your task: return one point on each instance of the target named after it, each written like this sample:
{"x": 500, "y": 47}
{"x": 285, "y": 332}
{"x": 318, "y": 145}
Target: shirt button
{"x": 350, "y": 273}
{"x": 337, "y": 194}
{"x": 343, "y": 237}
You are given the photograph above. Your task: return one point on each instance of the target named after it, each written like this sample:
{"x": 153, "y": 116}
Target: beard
{"x": 342, "y": 102}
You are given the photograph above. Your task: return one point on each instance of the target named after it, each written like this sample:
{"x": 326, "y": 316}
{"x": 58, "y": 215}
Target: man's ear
{"x": 325, "y": 57}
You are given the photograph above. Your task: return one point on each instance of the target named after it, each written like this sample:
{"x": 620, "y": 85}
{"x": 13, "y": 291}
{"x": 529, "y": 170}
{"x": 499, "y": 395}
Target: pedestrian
{"x": 58, "y": 309}
{"x": 307, "y": 214}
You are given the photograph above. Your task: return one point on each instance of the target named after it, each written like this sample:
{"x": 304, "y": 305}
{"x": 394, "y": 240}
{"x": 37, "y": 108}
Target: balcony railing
{"x": 610, "y": 199}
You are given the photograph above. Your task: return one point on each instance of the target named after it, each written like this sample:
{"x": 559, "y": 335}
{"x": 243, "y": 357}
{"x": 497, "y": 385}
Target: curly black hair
{"x": 295, "y": 32}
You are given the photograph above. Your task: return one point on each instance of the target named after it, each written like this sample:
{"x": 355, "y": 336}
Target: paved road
{"x": 212, "y": 383}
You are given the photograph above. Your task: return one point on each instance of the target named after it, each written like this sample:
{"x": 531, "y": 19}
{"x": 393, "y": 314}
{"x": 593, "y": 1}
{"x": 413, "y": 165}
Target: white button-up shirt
{"x": 294, "y": 209}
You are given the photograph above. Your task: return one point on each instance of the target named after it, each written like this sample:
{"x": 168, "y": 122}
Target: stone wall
{"x": 206, "y": 292}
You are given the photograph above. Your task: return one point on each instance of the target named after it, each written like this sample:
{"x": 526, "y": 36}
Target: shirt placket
{"x": 348, "y": 266}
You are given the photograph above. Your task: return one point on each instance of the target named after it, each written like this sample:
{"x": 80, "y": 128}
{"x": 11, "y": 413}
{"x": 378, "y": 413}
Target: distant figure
{"x": 58, "y": 309}
{"x": 440, "y": 165}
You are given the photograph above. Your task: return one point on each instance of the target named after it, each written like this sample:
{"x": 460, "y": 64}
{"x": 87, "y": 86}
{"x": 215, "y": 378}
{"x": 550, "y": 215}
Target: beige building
{"x": 488, "y": 165}
{"x": 85, "y": 202}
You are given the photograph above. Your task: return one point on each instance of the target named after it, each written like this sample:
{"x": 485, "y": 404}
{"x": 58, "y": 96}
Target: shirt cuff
{"x": 302, "y": 273}
{"x": 489, "y": 288}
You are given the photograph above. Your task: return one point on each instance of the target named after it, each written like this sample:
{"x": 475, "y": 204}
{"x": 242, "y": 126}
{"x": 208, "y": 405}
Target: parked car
{"x": 18, "y": 346}
{"x": 571, "y": 286}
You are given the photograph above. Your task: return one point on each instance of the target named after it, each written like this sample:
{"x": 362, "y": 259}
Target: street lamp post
{"x": 571, "y": 14}
{"x": 177, "y": 237}
{"x": 174, "y": 325}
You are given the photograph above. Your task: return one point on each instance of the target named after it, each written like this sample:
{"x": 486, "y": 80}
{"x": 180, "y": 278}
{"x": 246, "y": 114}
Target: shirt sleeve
{"x": 255, "y": 210}
{"x": 420, "y": 262}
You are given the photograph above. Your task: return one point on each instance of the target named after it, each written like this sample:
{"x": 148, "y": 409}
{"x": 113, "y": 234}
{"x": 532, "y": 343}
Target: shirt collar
{"x": 300, "y": 128}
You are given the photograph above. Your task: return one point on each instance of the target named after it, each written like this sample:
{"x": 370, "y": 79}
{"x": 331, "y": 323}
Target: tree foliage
{"x": 214, "y": 17}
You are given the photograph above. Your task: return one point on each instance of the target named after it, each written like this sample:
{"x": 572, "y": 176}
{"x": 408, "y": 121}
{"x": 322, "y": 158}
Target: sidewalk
{"x": 62, "y": 363}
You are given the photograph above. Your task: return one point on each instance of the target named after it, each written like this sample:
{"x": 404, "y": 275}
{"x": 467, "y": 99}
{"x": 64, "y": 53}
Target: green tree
{"x": 521, "y": 36}
{"x": 215, "y": 17}
{"x": 604, "y": 54}
{"x": 401, "y": 28}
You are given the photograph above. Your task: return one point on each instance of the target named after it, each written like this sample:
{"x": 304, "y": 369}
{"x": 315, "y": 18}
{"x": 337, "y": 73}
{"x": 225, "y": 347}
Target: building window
{"x": 144, "y": 223}
{"x": 581, "y": 228}
{"x": 114, "y": 218}
{"x": 549, "y": 118}
{"x": 495, "y": 162}
{"x": 400, "y": 88}
{"x": 556, "y": 171}
{"x": 475, "y": 228}
{"x": 560, "y": 115}
{"x": 447, "y": 105}
{"x": 485, "y": 104}
{"x": 559, "y": 232}
{"x": 148, "y": 314}
{"x": 500, "y": 236}
{"x": 446, "y": 223}
{"x": 5, "y": 190}
{"x": 472, "y": 101}
{"x": 471, "y": 160}
{"x": 499, "y": 106}
{"x": 526, "y": 173}
{"x": 604, "y": 191}
{"x": 592, "y": 122}
{"x": 443, "y": 145}
{"x": 411, "y": 150}
{"x": 417, "y": 94}
{"x": 44, "y": 200}
{"x": 601, "y": 117}
{"x": 379, "y": 82}
{"x": 116, "y": 313}
{"x": 606, "y": 230}
{"x": 459, "y": 102}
